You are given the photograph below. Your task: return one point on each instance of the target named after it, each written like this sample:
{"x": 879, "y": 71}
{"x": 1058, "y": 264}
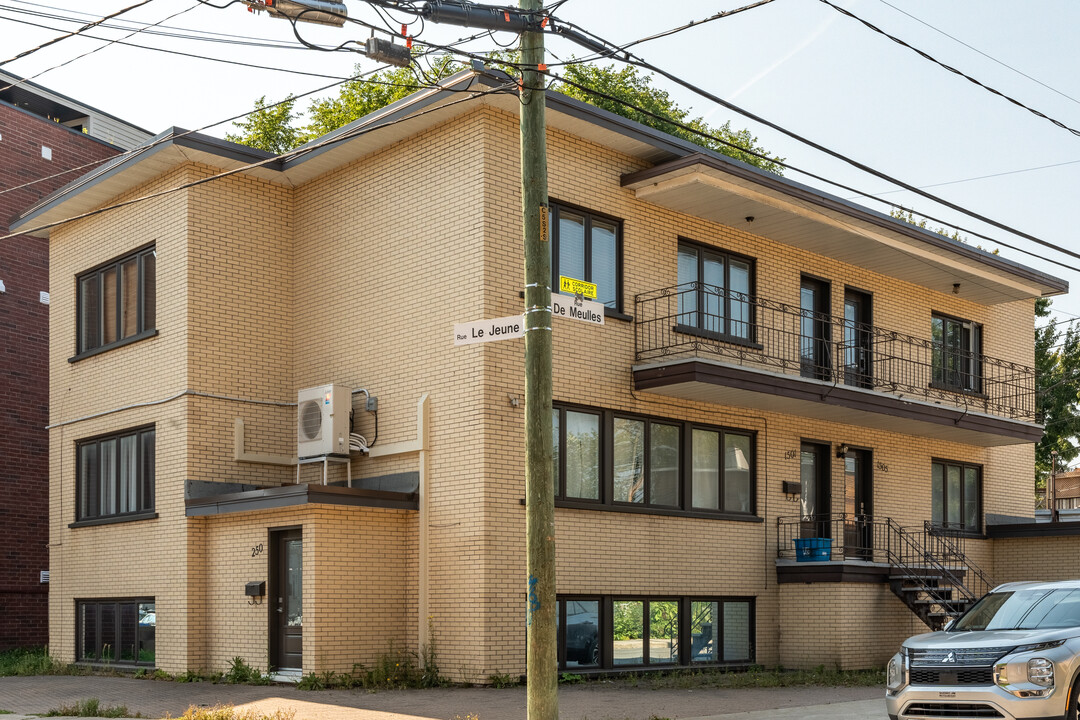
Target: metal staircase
{"x": 928, "y": 568}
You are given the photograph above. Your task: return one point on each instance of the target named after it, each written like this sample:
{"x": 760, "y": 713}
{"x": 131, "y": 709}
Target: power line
{"x": 985, "y": 55}
{"x": 695, "y": 23}
{"x": 76, "y": 32}
{"x": 985, "y": 177}
{"x": 356, "y": 132}
{"x": 951, "y": 69}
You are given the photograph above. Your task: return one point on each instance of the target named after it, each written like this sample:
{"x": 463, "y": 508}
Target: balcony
{"x": 698, "y": 342}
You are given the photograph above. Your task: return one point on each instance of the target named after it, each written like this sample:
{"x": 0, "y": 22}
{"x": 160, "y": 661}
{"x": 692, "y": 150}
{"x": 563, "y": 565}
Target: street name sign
{"x": 575, "y": 308}
{"x": 478, "y": 331}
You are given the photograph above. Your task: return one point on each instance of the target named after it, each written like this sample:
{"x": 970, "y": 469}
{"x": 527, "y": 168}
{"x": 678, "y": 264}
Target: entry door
{"x": 814, "y": 491}
{"x": 814, "y": 360}
{"x": 858, "y": 505}
{"x": 287, "y": 597}
{"x": 857, "y": 318}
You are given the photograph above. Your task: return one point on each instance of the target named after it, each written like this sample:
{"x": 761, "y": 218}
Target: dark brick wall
{"x": 24, "y": 369}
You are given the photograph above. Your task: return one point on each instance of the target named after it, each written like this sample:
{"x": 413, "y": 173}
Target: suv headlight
{"x": 896, "y": 673}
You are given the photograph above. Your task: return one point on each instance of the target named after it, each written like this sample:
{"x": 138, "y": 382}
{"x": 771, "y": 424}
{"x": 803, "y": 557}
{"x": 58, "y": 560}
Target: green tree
{"x": 269, "y": 128}
{"x": 275, "y": 128}
{"x": 1057, "y": 364}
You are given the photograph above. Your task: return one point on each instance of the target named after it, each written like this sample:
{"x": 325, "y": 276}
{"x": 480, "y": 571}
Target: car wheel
{"x": 1072, "y": 712}
{"x": 594, "y": 654}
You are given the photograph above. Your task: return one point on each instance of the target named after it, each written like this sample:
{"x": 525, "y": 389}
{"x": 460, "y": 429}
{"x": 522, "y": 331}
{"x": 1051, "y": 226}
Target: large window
{"x": 118, "y": 301}
{"x": 957, "y": 347}
{"x": 631, "y": 462}
{"x": 115, "y": 631}
{"x": 714, "y": 291}
{"x": 956, "y": 492}
{"x": 587, "y": 246}
{"x": 627, "y": 632}
{"x": 116, "y": 476}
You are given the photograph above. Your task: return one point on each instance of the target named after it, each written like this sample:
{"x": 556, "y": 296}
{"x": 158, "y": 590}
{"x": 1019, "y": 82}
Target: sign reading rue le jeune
{"x": 479, "y": 331}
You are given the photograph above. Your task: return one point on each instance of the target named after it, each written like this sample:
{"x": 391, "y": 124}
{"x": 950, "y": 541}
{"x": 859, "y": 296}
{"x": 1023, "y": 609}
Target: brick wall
{"x": 24, "y": 373}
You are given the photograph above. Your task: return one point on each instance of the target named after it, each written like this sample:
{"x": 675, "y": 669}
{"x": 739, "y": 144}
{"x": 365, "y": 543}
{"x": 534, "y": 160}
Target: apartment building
{"x": 783, "y": 386}
{"x": 42, "y": 135}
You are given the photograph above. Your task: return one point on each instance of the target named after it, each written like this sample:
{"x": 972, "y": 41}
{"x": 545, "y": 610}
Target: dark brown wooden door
{"x": 287, "y": 600}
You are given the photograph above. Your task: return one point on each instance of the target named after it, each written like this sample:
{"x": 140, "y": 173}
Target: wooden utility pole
{"x": 541, "y": 656}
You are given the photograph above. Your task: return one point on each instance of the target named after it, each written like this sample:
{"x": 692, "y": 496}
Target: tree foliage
{"x": 277, "y": 128}
{"x": 1057, "y": 364}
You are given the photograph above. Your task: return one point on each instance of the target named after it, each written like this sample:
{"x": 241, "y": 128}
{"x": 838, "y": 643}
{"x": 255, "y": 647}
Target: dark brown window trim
{"x": 112, "y": 346}
{"x": 976, "y": 532}
{"x": 113, "y": 519}
{"x": 709, "y": 335}
{"x": 616, "y": 315}
{"x": 958, "y": 391}
{"x": 656, "y": 510}
{"x": 554, "y": 207}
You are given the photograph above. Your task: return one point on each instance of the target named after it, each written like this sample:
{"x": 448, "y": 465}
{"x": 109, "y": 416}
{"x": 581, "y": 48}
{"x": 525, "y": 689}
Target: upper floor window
{"x": 586, "y": 246}
{"x": 117, "y": 301}
{"x": 714, "y": 291}
{"x": 956, "y": 489}
{"x": 956, "y": 354}
{"x": 628, "y": 461}
{"x": 115, "y": 475}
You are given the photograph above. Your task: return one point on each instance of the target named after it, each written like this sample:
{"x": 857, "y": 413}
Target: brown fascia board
{"x": 1032, "y": 530}
{"x": 296, "y": 495}
{"x": 174, "y": 136}
{"x": 805, "y": 193}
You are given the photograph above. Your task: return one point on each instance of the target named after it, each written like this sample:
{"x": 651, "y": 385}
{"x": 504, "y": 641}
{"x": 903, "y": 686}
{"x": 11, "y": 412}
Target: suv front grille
{"x": 950, "y": 710}
{"x": 951, "y": 657}
{"x": 942, "y": 676}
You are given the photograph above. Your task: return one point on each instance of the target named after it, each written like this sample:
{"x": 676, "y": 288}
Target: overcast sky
{"x": 798, "y": 63}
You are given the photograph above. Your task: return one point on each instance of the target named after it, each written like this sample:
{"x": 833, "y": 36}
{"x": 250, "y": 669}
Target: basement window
{"x": 116, "y": 632}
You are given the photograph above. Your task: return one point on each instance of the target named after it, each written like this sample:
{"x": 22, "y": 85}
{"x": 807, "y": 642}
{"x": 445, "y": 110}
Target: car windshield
{"x": 1023, "y": 610}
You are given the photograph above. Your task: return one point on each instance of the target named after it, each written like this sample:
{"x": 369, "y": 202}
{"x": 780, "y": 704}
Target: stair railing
{"x": 950, "y": 546}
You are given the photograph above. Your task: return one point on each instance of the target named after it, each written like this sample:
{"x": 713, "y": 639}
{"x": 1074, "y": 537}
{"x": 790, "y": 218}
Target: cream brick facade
{"x": 355, "y": 275}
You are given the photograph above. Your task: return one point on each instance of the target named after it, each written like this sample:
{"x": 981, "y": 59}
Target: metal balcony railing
{"x": 701, "y": 320}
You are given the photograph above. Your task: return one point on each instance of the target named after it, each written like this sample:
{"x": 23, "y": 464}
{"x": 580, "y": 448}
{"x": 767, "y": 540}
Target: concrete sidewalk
{"x": 590, "y": 701}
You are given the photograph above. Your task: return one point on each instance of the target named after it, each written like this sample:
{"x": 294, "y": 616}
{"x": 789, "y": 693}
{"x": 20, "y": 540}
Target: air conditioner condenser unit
{"x": 322, "y": 421}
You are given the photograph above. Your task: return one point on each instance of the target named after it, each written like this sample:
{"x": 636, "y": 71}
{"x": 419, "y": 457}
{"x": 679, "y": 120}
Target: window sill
{"x": 616, "y": 315}
{"x": 112, "y": 346}
{"x": 648, "y": 510}
{"x": 959, "y": 390}
{"x": 719, "y": 337}
{"x": 113, "y": 519}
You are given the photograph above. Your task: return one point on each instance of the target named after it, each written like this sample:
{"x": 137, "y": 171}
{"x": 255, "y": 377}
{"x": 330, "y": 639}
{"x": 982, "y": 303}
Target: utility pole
{"x": 541, "y": 656}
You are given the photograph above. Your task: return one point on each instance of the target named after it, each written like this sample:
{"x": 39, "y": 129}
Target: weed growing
{"x": 29, "y": 661}
{"x": 90, "y": 708}
{"x": 228, "y": 712}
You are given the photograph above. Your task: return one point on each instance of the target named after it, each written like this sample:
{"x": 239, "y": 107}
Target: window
{"x": 586, "y": 246}
{"x": 115, "y": 476}
{"x": 726, "y": 485}
{"x": 621, "y": 632}
{"x": 714, "y": 291}
{"x": 117, "y": 301}
{"x": 956, "y": 354}
{"x": 651, "y": 464}
{"x": 115, "y": 631}
{"x": 646, "y": 459}
{"x": 956, "y": 490}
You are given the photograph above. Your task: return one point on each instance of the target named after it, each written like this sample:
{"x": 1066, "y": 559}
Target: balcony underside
{"x": 726, "y": 384}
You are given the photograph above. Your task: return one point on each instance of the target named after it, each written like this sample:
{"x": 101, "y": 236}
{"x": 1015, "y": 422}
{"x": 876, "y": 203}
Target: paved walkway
{"x": 589, "y": 701}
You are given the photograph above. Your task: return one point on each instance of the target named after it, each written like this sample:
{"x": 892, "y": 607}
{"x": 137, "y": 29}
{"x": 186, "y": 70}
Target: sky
{"x": 800, "y": 64}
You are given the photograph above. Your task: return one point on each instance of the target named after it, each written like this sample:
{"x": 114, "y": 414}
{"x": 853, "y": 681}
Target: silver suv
{"x": 1015, "y": 654}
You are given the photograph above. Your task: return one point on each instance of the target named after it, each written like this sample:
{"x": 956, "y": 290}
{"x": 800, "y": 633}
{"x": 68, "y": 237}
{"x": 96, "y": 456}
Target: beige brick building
{"x": 775, "y": 366}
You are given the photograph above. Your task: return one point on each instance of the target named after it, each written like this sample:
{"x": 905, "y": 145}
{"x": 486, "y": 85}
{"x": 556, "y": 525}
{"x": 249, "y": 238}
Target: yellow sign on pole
{"x": 577, "y": 287}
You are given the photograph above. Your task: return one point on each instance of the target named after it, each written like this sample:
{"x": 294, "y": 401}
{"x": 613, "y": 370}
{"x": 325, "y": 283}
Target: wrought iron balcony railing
{"x": 701, "y": 320}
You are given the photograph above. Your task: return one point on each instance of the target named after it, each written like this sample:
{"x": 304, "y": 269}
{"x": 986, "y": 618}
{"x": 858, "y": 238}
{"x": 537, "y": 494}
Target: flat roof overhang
{"x": 737, "y": 386}
{"x": 727, "y": 193}
{"x": 298, "y": 495}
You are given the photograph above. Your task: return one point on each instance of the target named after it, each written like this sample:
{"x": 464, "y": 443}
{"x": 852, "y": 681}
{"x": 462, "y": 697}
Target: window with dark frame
{"x": 115, "y": 475}
{"x": 956, "y": 496}
{"x": 587, "y": 246}
{"x": 715, "y": 291}
{"x": 615, "y": 632}
{"x": 618, "y": 460}
{"x": 116, "y": 632}
{"x": 117, "y": 301}
{"x": 956, "y": 357}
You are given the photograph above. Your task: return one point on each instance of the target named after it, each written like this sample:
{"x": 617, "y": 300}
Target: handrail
{"x": 699, "y": 319}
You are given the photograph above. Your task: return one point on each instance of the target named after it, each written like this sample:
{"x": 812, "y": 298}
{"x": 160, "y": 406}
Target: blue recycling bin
{"x": 813, "y": 549}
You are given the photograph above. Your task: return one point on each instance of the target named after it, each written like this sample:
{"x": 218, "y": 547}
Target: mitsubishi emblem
{"x": 950, "y": 658}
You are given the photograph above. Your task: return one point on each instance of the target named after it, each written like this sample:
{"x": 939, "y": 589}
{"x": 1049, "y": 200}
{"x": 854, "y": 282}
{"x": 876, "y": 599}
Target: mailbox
{"x": 255, "y": 589}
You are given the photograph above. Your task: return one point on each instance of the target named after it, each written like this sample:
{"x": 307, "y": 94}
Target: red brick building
{"x": 42, "y": 135}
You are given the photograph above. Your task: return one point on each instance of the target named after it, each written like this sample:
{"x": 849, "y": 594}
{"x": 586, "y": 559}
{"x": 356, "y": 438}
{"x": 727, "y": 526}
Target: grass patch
{"x": 228, "y": 712}
{"x": 90, "y": 708}
{"x": 756, "y": 677}
{"x": 29, "y": 661}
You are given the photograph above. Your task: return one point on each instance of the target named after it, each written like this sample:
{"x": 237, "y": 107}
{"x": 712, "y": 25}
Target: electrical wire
{"x": 985, "y": 177}
{"x": 102, "y": 47}
{"x": 74, "y": 33}
{"x": 696, "y": 23}
{"x": 931, "y": 58}
{"x": 304, "y": 149}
